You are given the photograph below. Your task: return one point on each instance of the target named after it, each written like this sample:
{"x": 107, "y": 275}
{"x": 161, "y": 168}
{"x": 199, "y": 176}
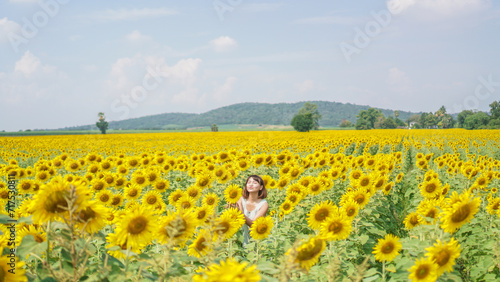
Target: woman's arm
{"x": 262, "y": 212}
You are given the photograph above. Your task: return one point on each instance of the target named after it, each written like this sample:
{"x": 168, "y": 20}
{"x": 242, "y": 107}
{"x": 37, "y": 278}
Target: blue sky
{"x": 63, "y": 61}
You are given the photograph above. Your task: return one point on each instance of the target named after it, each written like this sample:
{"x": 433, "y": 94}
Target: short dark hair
{"x": 262, "y": 193}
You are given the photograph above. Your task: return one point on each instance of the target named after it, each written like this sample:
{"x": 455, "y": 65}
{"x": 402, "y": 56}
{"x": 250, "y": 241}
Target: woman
{"x": 252, "y": 203}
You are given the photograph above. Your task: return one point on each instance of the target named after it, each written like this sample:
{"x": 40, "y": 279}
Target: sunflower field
{"x": 378, "y": 205}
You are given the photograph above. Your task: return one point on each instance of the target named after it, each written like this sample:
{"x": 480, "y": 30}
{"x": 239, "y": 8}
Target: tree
{"x": 367, "y": 118}
{"x": 303, "y": 123}
{"x": 462, "y": 116}
{"x": 102, "y": 124}
{"x": 477, "y": 120}
{"x": 428, "y": 120}
{"x": 345, "y": 123}
{"x": 388, "y": 123}
{"x": 313, "y": 110}
{"x": 495, "y": 110}
{"x": 446, "y": 121}
{"x": 214, "y": 128}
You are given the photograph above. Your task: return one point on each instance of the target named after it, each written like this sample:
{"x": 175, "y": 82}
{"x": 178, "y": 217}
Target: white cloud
{"x": 31, "y": 80}
{"x": 305, "y": 86}
{"x": 131, "y": 14}
{"x": 75, "y": 37}
{"x": 223, "y": 44}
{"x": 439, "y": 7}
{"x": 189, "y": 96}
{"x": 7, "y": 27}
{"x": 398, "y": 80}
{"x": 221, "y": 92}
{"x": 137, "y": 36}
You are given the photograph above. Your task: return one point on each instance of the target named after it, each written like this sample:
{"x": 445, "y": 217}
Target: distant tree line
{"x": 374, "y": 119}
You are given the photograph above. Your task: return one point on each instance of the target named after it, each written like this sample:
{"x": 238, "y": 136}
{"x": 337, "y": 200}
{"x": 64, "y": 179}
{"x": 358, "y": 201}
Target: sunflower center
{"x": 223, "y": 227}
{"x": 335, "y": 227}
{"x": 315, "y": 187}
{"x": 364, "y": 182}
{"x": 201, "y": 214}
{"x": 359, "y": 198}
{"x": 460, "y": 214}
{"x": 2, "y": 274}
{"x": 350, "y": 211}
{"x": 286, "y": 207}
{"x": 321, "y": 214}
{"x": 496, "y": 206}
{"x": 115, "y": 201}
{"x": 74, "y": 166}
{"x": 151, "y": 200}
{"x": 160, "y": 186}
{"x": 233, "y": 194}
{"x": 481, "y": 181}
{"x": 86, "y": 214}
{"x": 137, "y": 225}
{"x": 414, "y": 220}
{"x": 56, "y": 202}
{"x": 26, "y": 186}
{"x": 422, "y": 271}
{"x": 200, "y": 244}
{"x": 431, "y": 187}
{"x": 99, "y": 186}
{"x": 210, "y": 201}
{"x": 140, "y": 180}
{"x": 4, "y": 194}
{"x": 38, "y": 239}
{"x": 442, "y": 257}
{"x": 132, "y": 193}
{"x": 308, "y": 253}
{"x": 261, "y": 229}
{"x": 387, "y": 248}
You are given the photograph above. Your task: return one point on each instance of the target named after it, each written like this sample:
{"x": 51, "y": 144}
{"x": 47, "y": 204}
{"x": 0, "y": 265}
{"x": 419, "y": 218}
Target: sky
{"x": 64, "y": 61}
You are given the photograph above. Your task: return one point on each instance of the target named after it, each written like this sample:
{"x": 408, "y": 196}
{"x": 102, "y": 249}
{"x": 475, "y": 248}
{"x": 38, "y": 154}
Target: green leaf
{"x": 5, "y": 219}
{"x": 30, "y": 245}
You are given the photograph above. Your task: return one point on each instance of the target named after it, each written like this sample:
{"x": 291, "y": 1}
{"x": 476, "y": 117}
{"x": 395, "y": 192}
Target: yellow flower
{"x": 18, "y": 275}
{"x": 175, "y": 196}
{"x": 444, "y": 255}
{"x": 211, "y": 199}
{"x": 132, "y": 192}
{"x": 151, "y": 199}
{"x": 202, "y": 244}
{"x": 232, "y": 194}
{"x": 93, "y": 217}
{"x": 261, "y": 227}
{"x": 459, "y": 213}
{"x": 137, "y": 227}
{"x": 423, "y": 270}
{"x": 388, "y": 248}
{"x": 320, "y": 212}
{"x": 51, "y": 202}
{"x": 413, "y": 219}
{"x": 308, "y": 253}
{"x": 229, "y": 271}
{"x": 336, "y": 227}
{"x": 176, "y": 228}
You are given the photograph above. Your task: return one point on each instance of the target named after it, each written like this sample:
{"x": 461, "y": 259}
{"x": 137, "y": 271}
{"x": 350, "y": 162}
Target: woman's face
{"x": 253, "y": 185}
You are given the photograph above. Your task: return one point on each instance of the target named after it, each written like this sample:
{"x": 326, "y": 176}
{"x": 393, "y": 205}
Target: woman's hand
{"x": 231, "y": 206}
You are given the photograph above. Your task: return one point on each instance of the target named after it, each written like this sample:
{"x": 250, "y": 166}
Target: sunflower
{"x": 283, "y": 182}
{"x": 225, "y": 226}
{"x": 132, "y": 192}
{"x": 151, "y": 199}
{"x": 228, "y": 271}
{"x": 444, "y": 255}
{"x": 152, "y": 176}
{"x": 37, "y": 232}
{"x": 493, "y": 205}
{"x": 116, "y": 200}
{"x": 336, "y": 227}
{"x": 175, "y": 196}
{"x": 413, "y": 219}
{"x": 93, "y": 217}
{"x": 203, "y": 213}
{"x": 355, "y": 175}
{"x": 203, "y": 180}
{"x": 360, "y": 196}
{"x": 232, "y": 194}
{"x": 261, "y": 227}
{"x": 320, "y": 212}
{"x": 431, "y": 189}
{"x": 161, "y": 185}
{"x": 459, "y": 213}
{"x": 293, "y": 197}
{"x": 314, "y": 188}
{"x": 176, "y": 228}
{"x": 287, "y": 207}
{"x": 51, "y": 202}
{"x": 194, "y": 192}
{"x": 388, "y": 248}
{"x": 138, "y": 178}
{"x": 210, "y": 199}
{"x": 42, "y": 176}
{"x": 185, "y": 203}
{"x": 423, "y": 270}
{"x": 12, "y": 276}
{"x": 202, "y": 244}
{"x": 308, "y": 253}
{"x": 97, "y": 185}
{"x": 350, "y": 208}
{"x": 137, "y": 227}
{"x": 25, "y": 186}
{"x": 125, "y": 248}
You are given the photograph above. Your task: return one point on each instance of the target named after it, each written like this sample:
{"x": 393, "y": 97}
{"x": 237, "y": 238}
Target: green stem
{"x": 383, "y": 271}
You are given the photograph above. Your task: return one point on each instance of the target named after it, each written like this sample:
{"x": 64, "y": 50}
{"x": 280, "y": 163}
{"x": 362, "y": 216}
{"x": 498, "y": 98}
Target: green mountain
{"x": 244, "y": 113}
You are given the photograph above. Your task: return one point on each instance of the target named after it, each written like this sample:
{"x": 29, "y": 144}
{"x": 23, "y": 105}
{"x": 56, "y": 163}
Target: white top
{"x": 251, "y": 215}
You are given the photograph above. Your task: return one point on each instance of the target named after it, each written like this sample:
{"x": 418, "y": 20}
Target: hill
{"x": 244, "y": 113}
